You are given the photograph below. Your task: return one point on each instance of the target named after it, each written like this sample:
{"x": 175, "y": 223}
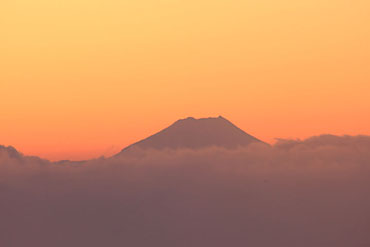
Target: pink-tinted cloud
{"x": 310, "y": 193}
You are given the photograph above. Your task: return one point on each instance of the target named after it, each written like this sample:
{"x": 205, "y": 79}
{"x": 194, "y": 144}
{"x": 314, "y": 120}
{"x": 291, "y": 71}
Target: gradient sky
{"x": 84, "y": 78}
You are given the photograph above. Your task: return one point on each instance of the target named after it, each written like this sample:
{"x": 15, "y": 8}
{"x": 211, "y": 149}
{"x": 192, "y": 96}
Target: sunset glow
{"x": 80, "y": 79}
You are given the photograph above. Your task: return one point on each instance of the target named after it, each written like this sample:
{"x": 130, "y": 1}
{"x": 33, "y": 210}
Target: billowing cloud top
{"x": 310, "y": 193}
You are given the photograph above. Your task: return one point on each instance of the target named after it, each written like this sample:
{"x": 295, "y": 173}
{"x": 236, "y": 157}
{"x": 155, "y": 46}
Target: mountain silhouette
{"x": 196, "y": 133}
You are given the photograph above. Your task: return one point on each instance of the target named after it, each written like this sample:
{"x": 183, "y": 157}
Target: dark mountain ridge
{"x": 197, "y": 133}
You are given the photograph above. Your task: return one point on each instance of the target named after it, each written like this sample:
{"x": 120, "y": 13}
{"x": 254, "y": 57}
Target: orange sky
{"x": 84, "y": 78}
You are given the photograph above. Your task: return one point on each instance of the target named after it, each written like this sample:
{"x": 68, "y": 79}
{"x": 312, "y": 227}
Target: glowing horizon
{"x": 81, "y": 79}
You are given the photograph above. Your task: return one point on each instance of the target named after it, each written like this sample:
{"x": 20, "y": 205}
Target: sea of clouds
{"x": 296, "y": 193}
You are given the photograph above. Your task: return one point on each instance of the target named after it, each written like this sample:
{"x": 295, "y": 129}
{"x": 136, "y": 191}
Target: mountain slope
{"x": 197, "y": 133}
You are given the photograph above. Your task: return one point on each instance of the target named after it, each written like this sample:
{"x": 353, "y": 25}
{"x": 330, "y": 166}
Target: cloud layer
{"x": 308, "y": 193}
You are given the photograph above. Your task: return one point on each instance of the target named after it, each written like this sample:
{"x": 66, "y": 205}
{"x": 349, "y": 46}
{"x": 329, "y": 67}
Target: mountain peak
{"x": 195, "y": 133}
{"x": 192, "y": 119}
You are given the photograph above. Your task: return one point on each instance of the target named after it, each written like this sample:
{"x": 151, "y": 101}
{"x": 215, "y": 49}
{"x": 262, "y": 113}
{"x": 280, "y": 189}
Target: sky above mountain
{"x": 80, "y": 78}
